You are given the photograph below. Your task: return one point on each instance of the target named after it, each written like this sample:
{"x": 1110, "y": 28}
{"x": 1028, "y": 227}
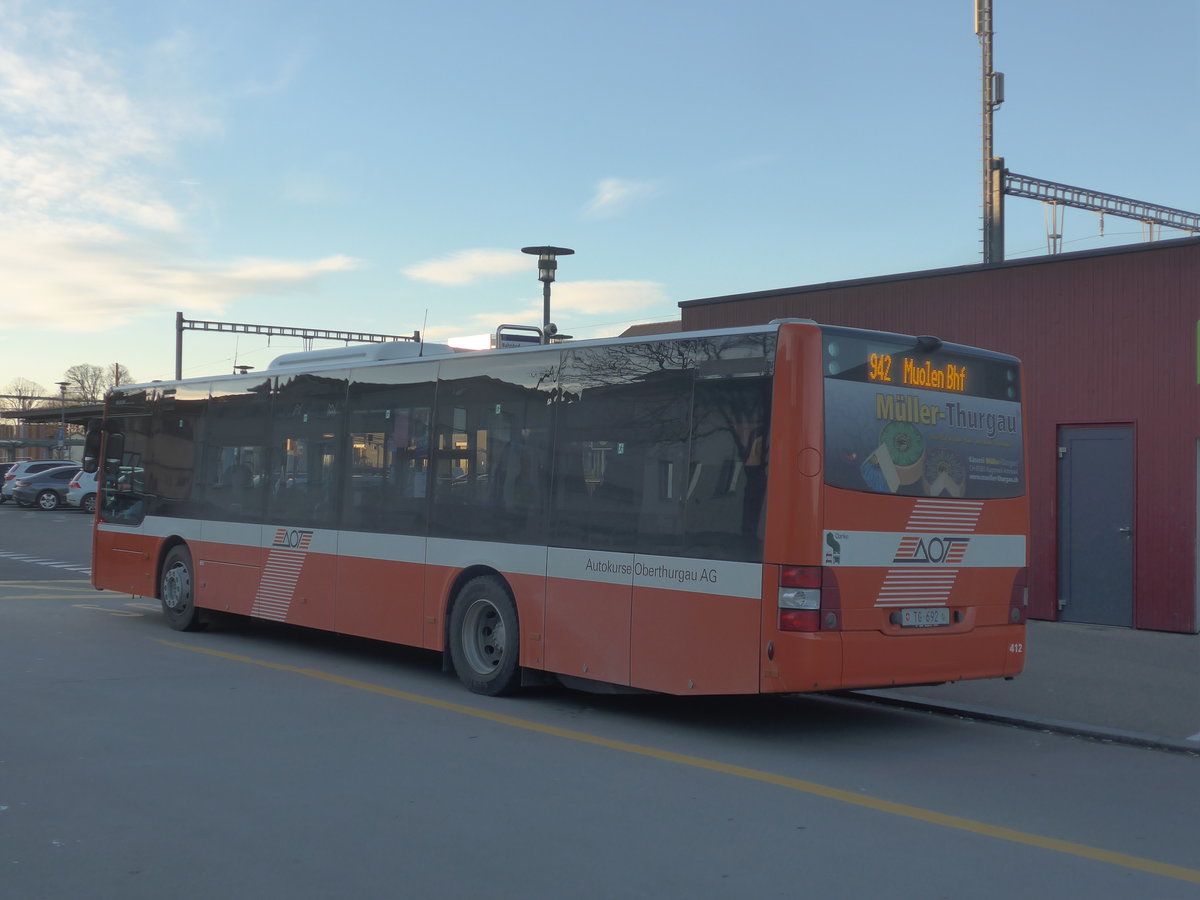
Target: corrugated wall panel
{"x": 1106, "y": 338}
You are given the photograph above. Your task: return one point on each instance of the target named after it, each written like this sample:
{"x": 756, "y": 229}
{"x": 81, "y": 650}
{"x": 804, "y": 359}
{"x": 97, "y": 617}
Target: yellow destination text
{"x": 946, "y": 378}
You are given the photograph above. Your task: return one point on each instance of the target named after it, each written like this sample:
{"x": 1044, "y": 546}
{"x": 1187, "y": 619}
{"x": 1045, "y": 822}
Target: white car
{"x": 81, "y": 491}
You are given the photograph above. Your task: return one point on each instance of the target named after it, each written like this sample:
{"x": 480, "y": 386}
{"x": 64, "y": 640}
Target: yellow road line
{"x": 91, "y": 596}
{"x": 34, "y": 584}
{"x": 73, "y": 589}
{"x": 1167, "y": 870}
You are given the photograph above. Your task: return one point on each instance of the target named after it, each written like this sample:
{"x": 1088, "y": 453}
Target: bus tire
{"x": 485, "y": 638}
{"x": 177, "y": 590}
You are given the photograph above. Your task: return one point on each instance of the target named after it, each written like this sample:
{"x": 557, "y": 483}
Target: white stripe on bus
{"x": 720, "y": 577}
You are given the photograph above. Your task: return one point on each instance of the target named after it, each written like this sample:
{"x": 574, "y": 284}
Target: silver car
{"x": 46, "y": 489}
{"x": 27, "y": 467}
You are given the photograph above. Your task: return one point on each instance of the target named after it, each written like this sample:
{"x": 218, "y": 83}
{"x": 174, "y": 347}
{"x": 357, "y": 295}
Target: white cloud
{"x": 469, "y": 266}
{"x": 614, "y": 196}
{"x": 309, "y": 189}
{"x": 74, "y": 140}
{"x": 572, "y": 305}
{"x": 258, "y": 275}
{"x": 88, "y": 238}
{"x": 603, "y": 298}
{"x": 280, "y": 81}
{"x": 102, "y": 279}
{"x": 124, "y": 200}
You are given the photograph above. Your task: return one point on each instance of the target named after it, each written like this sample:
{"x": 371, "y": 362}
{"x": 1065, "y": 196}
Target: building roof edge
{"x": 1144, "y": 247}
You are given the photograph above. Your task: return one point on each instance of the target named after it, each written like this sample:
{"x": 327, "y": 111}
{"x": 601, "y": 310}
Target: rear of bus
{"x": 898, "y": 519}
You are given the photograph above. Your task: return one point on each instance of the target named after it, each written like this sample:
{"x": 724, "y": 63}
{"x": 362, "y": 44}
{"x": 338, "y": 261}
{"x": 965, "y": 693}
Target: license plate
{"x": 924, "y": 618}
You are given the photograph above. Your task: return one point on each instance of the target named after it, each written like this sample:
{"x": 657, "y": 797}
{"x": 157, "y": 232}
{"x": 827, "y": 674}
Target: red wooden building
{"x": 1109, "y": 341}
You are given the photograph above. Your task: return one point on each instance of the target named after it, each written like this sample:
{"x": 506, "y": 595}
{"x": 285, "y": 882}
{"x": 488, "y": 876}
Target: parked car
{"x": 81, "y": 491}
{"x": 29, "y": 467}
{"x": 46, "y": 489}
{"x": 5, "y": 468}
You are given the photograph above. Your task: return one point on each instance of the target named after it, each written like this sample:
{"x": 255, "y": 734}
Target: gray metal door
{"x": 1095, "y": 525}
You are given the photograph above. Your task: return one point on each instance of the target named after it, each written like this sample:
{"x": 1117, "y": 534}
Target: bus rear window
{"x": 921, "y": 418}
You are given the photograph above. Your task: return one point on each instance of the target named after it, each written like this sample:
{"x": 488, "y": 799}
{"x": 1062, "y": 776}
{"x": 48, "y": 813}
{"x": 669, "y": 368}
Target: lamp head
{"x": 547, "y": 260}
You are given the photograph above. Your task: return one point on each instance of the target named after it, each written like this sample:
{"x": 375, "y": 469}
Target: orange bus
{"x": 789, "y": 507}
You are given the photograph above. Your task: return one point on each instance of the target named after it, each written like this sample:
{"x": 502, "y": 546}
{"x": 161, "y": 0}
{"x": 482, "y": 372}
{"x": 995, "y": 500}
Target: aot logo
{"x": 292, "y": 539}
{"x": 937, "y": 551}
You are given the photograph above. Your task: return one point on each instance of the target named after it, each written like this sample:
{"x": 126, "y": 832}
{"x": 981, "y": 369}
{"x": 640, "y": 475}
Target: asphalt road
{"x": 254, "y": 760}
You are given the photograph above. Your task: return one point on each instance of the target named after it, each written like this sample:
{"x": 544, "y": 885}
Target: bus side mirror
{"x": 114, "y": 451}
{"x": 91, "y": 445}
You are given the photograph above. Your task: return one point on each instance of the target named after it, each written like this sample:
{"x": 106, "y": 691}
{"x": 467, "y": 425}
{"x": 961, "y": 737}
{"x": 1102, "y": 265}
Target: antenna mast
{"x": 993, "y": 166}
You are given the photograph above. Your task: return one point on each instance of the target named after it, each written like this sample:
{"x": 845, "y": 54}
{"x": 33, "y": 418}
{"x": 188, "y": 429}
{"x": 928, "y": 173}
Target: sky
{"x": 377, "y": 166}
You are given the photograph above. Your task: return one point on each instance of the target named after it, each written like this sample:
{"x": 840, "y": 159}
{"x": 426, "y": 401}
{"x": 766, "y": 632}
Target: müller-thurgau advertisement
{"x": 921, "y": 442}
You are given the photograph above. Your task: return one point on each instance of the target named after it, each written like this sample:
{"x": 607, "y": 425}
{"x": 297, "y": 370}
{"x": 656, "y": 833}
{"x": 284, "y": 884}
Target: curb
{"x": 1056, "y": 726}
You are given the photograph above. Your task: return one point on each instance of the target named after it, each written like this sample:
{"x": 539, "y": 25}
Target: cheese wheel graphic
{"x": 905, "y": 444}
{"x": 945, "y": 474}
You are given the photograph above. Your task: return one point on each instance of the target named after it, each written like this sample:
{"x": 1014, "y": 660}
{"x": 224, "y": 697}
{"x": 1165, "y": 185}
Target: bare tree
{"x": 85, "y": 382}
{"x": 19, "y": 393}
{"x": 88, "y": 383}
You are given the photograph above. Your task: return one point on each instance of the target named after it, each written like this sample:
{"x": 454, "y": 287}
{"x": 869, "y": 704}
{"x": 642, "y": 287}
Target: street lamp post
{"x": 62, "y": 424}
{"x": 547, "y": 265}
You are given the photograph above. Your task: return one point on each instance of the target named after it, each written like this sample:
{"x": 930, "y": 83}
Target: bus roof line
{"x": 361, "y": 356}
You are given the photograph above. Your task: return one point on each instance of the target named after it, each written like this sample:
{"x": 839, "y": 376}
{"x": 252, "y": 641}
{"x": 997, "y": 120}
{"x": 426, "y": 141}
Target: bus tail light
{"x": 1018, "y": 604}
{"x": 808, "y": 599}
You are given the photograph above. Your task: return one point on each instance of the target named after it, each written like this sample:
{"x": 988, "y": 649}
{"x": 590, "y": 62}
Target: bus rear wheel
{"x": 178, "y": 592}
{"x": 484, "y": 637}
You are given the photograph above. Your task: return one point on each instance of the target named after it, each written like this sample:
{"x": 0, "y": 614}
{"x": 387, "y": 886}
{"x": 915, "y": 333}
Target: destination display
{"x": 923, "y": 363}
{"x": 884, "y": 368}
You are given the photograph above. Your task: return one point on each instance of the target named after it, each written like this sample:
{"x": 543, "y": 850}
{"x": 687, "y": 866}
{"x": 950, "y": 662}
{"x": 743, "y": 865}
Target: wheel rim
{"x": 177, "y": 588}
{"x": 89, "y": 504}
{"x": 48, "y": 500}
{"x": 483, "y": 637}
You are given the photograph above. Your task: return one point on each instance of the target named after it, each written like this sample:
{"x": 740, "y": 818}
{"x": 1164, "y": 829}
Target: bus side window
{"x": 492, "y": 453}
{"x": 307, "y": 428}
{"x": 386, "y": 481}
{"x": 234, "y": 452}
{"x": 726, "y": 497}
{"x": 622, "y": 435}
{"x": 235, "y": 485}
{"x": 672, "y": 438}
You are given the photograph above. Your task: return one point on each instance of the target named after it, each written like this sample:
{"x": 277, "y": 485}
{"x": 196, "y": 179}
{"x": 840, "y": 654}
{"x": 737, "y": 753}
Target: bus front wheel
{"x": 177, "y": 590}
{"x": 484, "y": 637}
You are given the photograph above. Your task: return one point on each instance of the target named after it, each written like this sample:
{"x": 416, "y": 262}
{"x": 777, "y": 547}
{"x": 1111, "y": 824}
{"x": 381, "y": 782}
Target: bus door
{"x": 299, "y": 539}
{"x": 385, "y": 504}
{"x": 234, "y": 473}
